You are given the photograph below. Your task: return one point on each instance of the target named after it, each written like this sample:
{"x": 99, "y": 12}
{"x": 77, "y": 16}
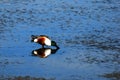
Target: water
{"x": 87, "y": 33}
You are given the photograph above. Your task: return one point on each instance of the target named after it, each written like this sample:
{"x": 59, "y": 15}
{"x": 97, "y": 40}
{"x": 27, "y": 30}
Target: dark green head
{"x": 53, "y": 43}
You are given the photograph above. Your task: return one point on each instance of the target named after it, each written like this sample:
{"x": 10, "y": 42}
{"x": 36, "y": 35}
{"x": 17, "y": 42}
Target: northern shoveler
{"x": 44, "y": 52}
{"x": 44, "y": 40}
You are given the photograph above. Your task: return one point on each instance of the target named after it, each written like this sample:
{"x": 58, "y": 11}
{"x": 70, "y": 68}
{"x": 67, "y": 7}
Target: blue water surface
{"x": 87, "y": 32}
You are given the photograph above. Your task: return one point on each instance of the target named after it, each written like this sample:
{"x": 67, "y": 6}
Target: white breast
{"x": 48, "y": 42}
{"x": 47, "y": 52}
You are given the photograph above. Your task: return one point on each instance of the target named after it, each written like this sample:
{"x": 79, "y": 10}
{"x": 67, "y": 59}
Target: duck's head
{"x": 53, "y": 43}
{"x": 34, "y": 38}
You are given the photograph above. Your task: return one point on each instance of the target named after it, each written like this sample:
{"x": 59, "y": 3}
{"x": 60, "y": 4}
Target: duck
{"x": 43, "y": 40}
{"x": 43, "y": 52}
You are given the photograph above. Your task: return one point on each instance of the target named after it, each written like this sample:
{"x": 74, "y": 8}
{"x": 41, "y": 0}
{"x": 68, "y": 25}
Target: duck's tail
{"x": 33, "y": 37}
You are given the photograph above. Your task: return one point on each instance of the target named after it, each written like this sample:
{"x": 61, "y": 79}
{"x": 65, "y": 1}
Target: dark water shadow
{"x": 44, "y": 52}
{"x": 24, "y": 78}
{"x": 113, "y": 75}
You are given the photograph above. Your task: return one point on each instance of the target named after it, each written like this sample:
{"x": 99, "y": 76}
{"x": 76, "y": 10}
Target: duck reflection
{"x": 44, "y": 52}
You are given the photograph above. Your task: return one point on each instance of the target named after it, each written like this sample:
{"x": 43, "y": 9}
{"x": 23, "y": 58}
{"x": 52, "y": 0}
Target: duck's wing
{"x": 44, "y": 36}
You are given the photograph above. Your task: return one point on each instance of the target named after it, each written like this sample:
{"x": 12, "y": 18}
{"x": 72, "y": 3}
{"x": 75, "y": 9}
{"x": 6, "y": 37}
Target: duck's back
{"x": 42, "y": 39}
